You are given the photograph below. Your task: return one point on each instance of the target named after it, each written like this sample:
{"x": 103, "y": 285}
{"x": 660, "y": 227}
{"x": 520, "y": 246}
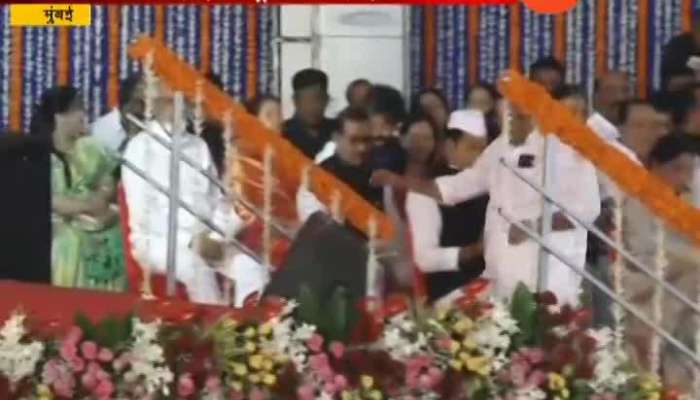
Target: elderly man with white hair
{"x": 447, "y": 240}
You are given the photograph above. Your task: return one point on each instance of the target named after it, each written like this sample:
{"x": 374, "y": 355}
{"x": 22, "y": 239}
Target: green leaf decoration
{"x": 523, "y": 307}
{"x": 309, "y": 309}
{"x": 110, "y": 332}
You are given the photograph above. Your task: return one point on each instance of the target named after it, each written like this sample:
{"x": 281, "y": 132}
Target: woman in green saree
{"x": 87, "y": 245}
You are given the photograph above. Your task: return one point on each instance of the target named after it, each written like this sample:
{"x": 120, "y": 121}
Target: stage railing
{"x": 621, "y": 304}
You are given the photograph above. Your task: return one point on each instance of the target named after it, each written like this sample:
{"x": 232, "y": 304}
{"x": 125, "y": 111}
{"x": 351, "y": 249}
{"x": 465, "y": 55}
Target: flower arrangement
{"x": 476, "y": 348}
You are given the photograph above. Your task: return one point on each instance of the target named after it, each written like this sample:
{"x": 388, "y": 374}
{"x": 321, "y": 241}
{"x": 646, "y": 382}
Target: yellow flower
{"x": 442, "y": 314}
{"x": 268, "y": 365}
{"x": 462, "y": 326}
{"x": 239, "y": 369}
{"x": 269, "y": 379}
{"x": 367, "y": 381}
{"x": 456, "y": 365}
{"x": 469, "y": 344}
{"x": 454, "y": 346}
{"x": 249, "y": 347}
{"x": 237, "y": 386}
{"x": 265, "y": 329}
{"x": 346, "y": 395}
{"x": 654, "y": 396}
{"x": 480, "y": 365}
{"x": 44, "y": 392}
{"x": 255, "y": 361}
{"x": 557, "y": 382}
{"x": 254, "y": 378}
{"x": 375, "y": 395}
{"x": 250, "y": 332}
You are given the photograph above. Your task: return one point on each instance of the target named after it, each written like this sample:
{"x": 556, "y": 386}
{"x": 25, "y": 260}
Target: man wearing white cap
{"x": 447, "y": 240}
{"x": 510, "y": 257}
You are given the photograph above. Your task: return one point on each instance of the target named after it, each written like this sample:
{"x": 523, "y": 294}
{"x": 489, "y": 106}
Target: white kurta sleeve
{"x": 581, "y": 192}
{"x": 470, "y": 183}
{"x": 308, "y": 204}
{"x": 425, "y": 223}
{"x": 136, "y": 188}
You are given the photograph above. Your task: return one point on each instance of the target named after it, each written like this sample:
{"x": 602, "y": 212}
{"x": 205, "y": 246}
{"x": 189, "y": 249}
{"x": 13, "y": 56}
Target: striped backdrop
{"x": 232, "y": 41}
{"x": 455, "y": 46}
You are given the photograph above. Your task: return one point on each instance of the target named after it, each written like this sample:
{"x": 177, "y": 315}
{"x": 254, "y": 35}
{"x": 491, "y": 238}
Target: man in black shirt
{"x": 680, "y": 49}
{"x": 350, "y": 161}
{"x": 309, "y": 129}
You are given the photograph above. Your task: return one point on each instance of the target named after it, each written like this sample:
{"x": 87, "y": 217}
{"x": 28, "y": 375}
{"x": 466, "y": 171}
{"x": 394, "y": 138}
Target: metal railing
{"x": 546, "y": 248}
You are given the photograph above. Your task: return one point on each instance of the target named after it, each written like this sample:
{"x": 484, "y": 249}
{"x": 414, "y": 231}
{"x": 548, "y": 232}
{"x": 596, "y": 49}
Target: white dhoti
{"x": 510, "y": 265}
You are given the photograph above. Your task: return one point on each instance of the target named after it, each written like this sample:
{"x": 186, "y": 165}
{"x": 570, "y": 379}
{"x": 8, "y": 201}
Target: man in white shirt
{"x": 113, "y": 128}
{"x": 148, "y": 212}
{"x": 447, "y": 240}
{"x": 510, "y": 257}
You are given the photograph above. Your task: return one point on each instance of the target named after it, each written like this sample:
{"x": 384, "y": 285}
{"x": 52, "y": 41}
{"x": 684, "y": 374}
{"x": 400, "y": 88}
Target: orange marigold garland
{"x": 634, "y": 179}
{"x": 252, "y": 138}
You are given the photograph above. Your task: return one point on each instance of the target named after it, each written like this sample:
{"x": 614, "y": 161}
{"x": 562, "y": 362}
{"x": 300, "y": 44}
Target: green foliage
{"x": 524, "y": 310}
{"x": 333, "y": 317}
{"x": 111, "y": 332}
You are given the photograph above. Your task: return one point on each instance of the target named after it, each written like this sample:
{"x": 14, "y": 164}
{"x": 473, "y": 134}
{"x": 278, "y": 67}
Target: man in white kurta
{"x": 148, "y": 216}
{"x": 575, "y": 186}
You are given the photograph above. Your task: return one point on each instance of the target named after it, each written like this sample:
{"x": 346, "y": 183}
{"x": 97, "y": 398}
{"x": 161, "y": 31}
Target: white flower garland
{"x": 147, "y": 360}
{"x": 527, "y": 39}
{"x": 29, "y": 66}
{"x": 18, "y": 360}
{"x": 612, "y": 41}
{"x": 570, "y": 53}
{"x": 240, "y": 37}
{"x": 51, "y": 59}
{"x": 126, "y": 14}
{"x": 632, "y": 41}
{"x": 39, "y": 83}
{"x": 591, "y": 53}
{"x": 609, "y": 374}
{"x": 225, "y": 32}
{"x": 97, "y": 63}
{"x": 660, "y": 19}
{"x": 617, "y": 271}
{"x": 216, "y": 23}
{"x": 86, "y": 65}
{"x": 503, "y": 31}
{"x": 170, "y": 39}
{"x": 660, "y": 266}
{"x": 6, "y": 54}
{"x": 180, "y": 30}
{"x": 193, "y": 20}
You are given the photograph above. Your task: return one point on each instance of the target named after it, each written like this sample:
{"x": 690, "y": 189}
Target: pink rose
{"x": 330, "y": 388}
{"x": 185, "y": 385}
{"x": 319, "y": 362}
{"x": 337, "y": 349}
{"x": 306, "y": 392}
{"x": 536, "y": 378}
{"x": 257, "y": 394}
{"x": 69, "y": 350}
{"x": 77, "y": 364}
{"x": 74, "y": 335}
{"x": 213, "y": 384}
{"x": 89, "y": 381}
{"x": 340, "y": 382}
{"x": 315, "y": 343}
{"x": 89, "y": 350}
{"x": 104, "y": 389}
{"x": 105, "y": 355}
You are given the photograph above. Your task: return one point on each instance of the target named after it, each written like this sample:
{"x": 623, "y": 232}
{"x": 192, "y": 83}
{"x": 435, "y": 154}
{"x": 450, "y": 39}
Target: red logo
{"x": 550, "y": 6}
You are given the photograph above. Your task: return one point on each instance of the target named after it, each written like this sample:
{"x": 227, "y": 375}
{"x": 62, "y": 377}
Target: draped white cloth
{"x": 575, "y": 185}
{"x": 148, "y": 216}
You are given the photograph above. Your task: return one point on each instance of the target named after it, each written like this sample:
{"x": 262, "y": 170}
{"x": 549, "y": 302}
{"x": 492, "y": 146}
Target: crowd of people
{"x": 452, "y": 181}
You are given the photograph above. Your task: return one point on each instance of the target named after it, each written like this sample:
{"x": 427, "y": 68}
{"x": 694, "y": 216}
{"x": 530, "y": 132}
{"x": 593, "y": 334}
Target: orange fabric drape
{"x": 473, "y": 43}
{"x": 430, "y": 43}
{"x": 205, "y": 34}
{"x": 16, "y": 79}
{"x": 560, "y": 36}
{"x": 631, "y": 177}
{"x": 642, "y": 47}
{"x": 252, "y": 72}
{"x": 515, "y": 36}
{"x": 113, "y": 77}
{"x": 63, "y": 56}
{"x": 686, "y": 15}
{"x": 601, "y": 37}
{"x": 252, "y": 139}
{"x": 160, "y": 23}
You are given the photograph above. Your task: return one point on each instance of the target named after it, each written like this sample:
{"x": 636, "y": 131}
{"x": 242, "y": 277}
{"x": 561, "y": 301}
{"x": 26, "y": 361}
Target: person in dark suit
{"x": 25, "y": 208}
{"x": 309, "y": 130}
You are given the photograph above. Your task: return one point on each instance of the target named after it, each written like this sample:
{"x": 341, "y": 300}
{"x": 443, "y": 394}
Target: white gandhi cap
{"x": 469, "y": 121}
